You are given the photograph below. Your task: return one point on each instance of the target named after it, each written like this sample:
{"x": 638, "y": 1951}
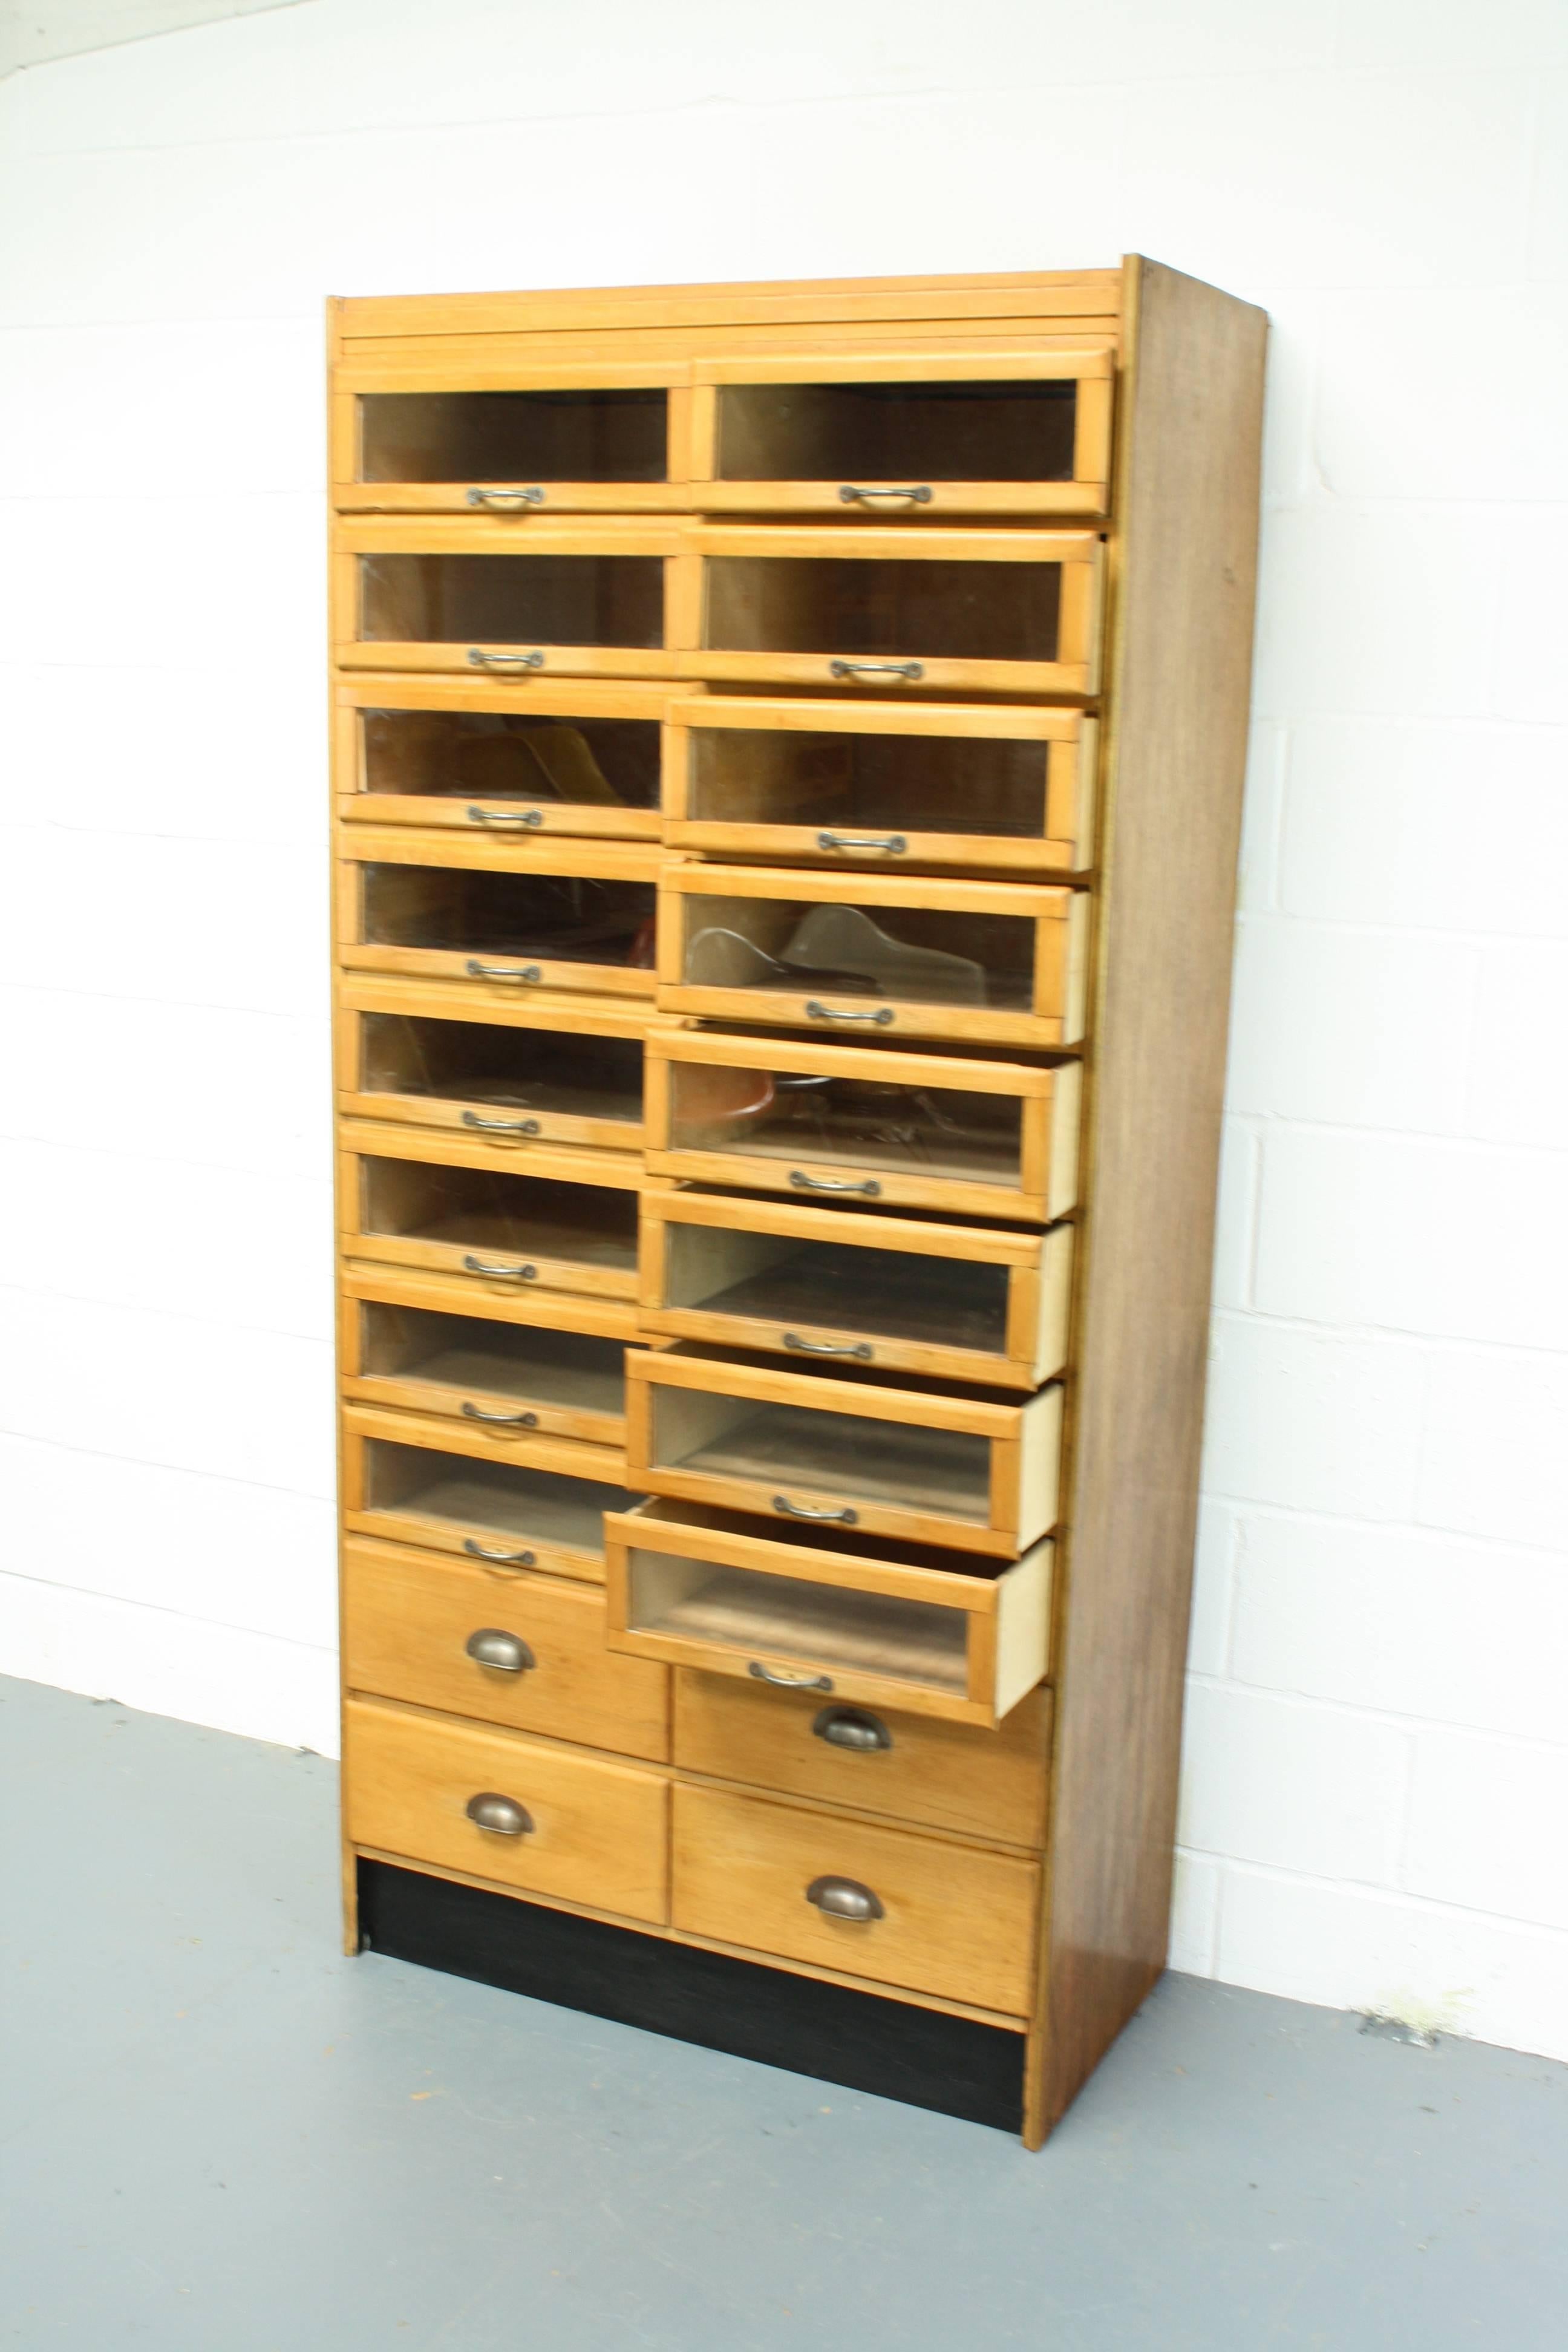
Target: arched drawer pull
{"x": 511, "y": 1273}
{"x": 802, "y": 1182}
{"x": 507, "y": 1652}
{"x": 506, "y": 816}
{"x": 511, "y": 501}
{"x": 842, "y": 1518}
{"x": 479, "y": 660}
{"x": 852, "y": 494}
{"x": 858, "y": 1348}
{"x": 501, "y": 1125}
{"x": 504, "y": 1815}
{"x": 497, "y": 1558}
{"x": 852, "y": 1727}
{"x": 506, "y": 1420}
{"x": 789, "y": 1682}
{"x": 478, "y": 970}
{"x": 844, "y": 1898}
{"x": 912, "y": 670}
{"x": 883, "y": 1018}
{"x": 892, "y": 844}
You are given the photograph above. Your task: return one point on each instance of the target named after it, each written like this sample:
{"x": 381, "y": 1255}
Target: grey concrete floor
{"x": 219, "y": 2136}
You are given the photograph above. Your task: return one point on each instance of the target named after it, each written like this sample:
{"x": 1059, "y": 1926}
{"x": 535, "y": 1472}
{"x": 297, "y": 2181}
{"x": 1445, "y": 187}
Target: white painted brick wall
{"x": 1377, "y": 1758}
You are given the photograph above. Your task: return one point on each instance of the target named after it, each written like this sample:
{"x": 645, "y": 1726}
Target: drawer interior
{"x": 943, "y": 1471}
{"x": 571, "y": 1370}
{"x": 976, "y": 432}
{"x": 922, "y": 955}
{"x": 521, "y": 1069}
{"x": 509, "y": 756}
{"x": 783, "y": 1115}
{"x": 416, "y": 1480}
{"x": 873, "y": 606}
{"x": 476, "y": 1208}
{"x": 868, "y": 784}
{"x": 513, "y": 437}
{"x": 567, "y": 917}
{"x": 562, "y": 600}
{"x": 778, "y": 1278}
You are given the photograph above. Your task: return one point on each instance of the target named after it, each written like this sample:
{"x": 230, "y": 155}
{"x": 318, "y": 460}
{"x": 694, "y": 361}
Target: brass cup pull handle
{"x": 507, "y": 501}
{"x": 478, "y": 970}
{"x": 911, "y": 670}
{"x": 504, "y": 1815}
{"x": 789, "y": 1682}
{"x": 497, "y": 1558}
{"x": 882, "y": 1018}
{"x": 506, "y": 816}
{"x": 854, "y": 1728}
{"x": 479, "y": 660}
{"x": 853, "y": 493}
{"x": 844, "y": 1518}
{"x": 507, "y": 1653}
{"x": 511, "y": 1420}
{"x": 859, "y": 1349}
{"x": 893, "y": 844}
{"x": 844, "y": 1898}
{"x": 804, "y": 1183}
{"x": 509, "y": 1273}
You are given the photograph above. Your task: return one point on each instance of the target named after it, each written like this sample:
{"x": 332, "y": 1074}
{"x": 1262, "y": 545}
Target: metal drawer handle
{"x": 881, "y": 1019}
{"x": 497, "y": 1558}
{"x": 912, "y": 670}
{"x": 844, "y": 1518}
{"x": 501, "y": 1125}
{"x": 511, "y": 1273}
{"x": 502, "y": 1814}
{"x": 507, "y": 501}
{"x": 859, "y": 1349}
{"x": 789, "y": 1682}
{"x": 848, "y": 492}
{"x": 804, "y": 1183}
{"x": 478, "y": 970}
{"x": 479, "y": 660}
{"x": 851, "y": 1726}
{"x": 893, "y": 843}
{"x": 505, "y": 817}
{"x": 844, "y": 1898}
{"x": 512, "y": 1420}
{"x": 505, "y": 1651}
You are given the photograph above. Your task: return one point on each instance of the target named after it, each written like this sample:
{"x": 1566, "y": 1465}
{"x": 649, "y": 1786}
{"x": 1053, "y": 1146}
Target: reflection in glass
{"x": 868, "y": 784}
{"x": 511, "y": 756}
{"x": 896, "y": 432}
{"x": 565, "y": 918}
{"x": 571, "y": 1370}
{"x": 910, "y": 1467}
{"x": 513, "y": 437}
{"x": 869, "y": 608}
{"x": 554, "y": 600}
{"x": 893, "y": 1293}
{"x": 860, "y": 1123}
{"x": 476, "y": 1209}
{"x": 523, "y": 1069}
{"x": 918, "y": 954}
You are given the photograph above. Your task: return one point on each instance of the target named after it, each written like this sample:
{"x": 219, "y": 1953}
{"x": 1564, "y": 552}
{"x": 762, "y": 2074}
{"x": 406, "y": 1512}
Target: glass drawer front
{"x": 942, "y": 1473}
{"x": 529, "y": 1080}
{"x": 868, "y": 793}
{"x": 907, "y": 954}
{"x": 779, "y": 1281}
{"x": 904, "y": 433}
{"x": 578, "y": 922}
{"x": 510, "y": 757}
{"x": 498, "y": 1499}
{"x": 525, "y": 438}
{"x": 439, "y": 1361}
{"x": 500, "y": 600}
{"x": 869, "y": 609}
{"x": 543, "y": 1230}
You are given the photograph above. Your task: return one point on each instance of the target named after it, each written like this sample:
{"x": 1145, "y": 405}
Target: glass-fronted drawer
{"x": 913, "y": 433}
{"x": 525, "y": 1075}
{"x": 809, "y": 1609}
{"x": 862, "y": 954}
{"x": 427, "y": 1199}
{"x": 558, "y": 596}
{"x": 893, "y": 1457}
{"x": 869, "y": 784}
{"x": 852, "y": 1287}
{"x": 501, "y": 917}
{"x": 529, "y": 1502}
{"x": 1005, "y": 612}
{"x": 511, "y": 762}
{"x": 913, "y": 1129}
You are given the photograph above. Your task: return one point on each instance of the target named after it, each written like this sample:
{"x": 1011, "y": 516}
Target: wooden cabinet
{"x": 787, "y": 746}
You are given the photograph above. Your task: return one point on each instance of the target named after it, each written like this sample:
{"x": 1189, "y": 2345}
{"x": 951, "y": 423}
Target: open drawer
{"x": 986, "y": 1138}
{"x": 585, "y": 597}
{"x": 1001, "y": 612}
{"x": 514, "y": 440}
{"x": 874, "y": 785}
{"x": 424, "y": 1198}
{"x": 812, "y": 1609}
{"x": 503, "y": 917}
{"x": 861, "y": 955}
{"x": 514, "y": 1501}
{"x": 515, "y": 1074}
{"x": 888, "y": 1455}
{"x": 417, "y": 1345}
{"x": 853, "y": 1286}
{"x": 474, "y": 756}
{"x": 923, "y": 434}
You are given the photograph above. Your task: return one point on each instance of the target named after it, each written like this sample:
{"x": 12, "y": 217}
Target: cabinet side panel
{"x": 1180, "y": 664}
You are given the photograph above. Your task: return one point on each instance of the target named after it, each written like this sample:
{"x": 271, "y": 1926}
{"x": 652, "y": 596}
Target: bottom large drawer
{"x": 883, "y": 1904}
{"x": 560, "y": 1824}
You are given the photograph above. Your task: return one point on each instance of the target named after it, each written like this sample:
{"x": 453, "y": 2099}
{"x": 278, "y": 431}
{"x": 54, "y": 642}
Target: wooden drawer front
{"x": 511, "y": 1077}
{"x": 955, "y": 611}
{"x": 556, "y": 597}
{"x": 508, "y": 1647}
{"x": 850, "y": 1286}
{"x": 856, "y": 1123}
{"x": 873, "y": 785}
{"x": 437, "y": 1200}
{"x": 512, "y": 442}
{"x": 899, "y": 1624}
{"x": 949, "y": 1921}
{"x": 917, "y": 1767}
{"x": 924, "y": 435}
{"x": 511, "y": 1500}
{"x": 559, "y": 1381}
{"x": 487, "y": 761}
{"x": 930, "y": 1464}
{"x": 598, "y": 1831}
{"x": 500, "y": 919}
{"x": 866, "y": 956}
